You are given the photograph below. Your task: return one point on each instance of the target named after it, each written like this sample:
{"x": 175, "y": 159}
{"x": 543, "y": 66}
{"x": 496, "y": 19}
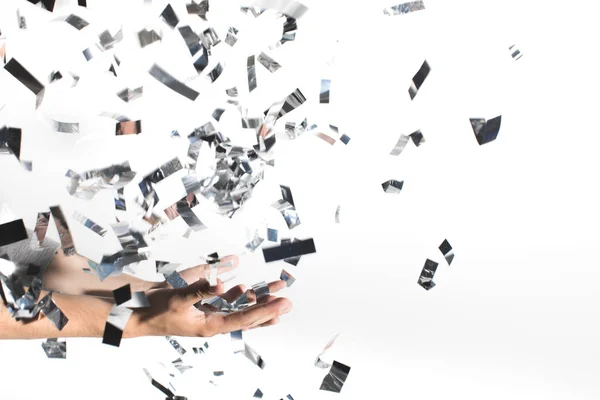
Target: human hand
{"x": 173, "y": 311}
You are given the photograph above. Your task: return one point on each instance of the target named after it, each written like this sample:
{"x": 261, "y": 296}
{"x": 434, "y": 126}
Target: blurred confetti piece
{"x": 231, "y": 36}
{"x": 14, "y": 68}
{"x": 334, "y": 380}
{"x": 404, "y": 8}
{"x": 400, "y": 145}
{"x": 55, "y": 349}
{"x": 39, "y": 232}
{"x": 392, "y": 186}
{"x": 515, "y": 53}
{"x": 290, "y": 8}
{"x": 255, "y": 243}
{"x": 53, "y": 312}
{"x": 319, "y": 363}
{"x": 325, "y": 89}
{"x": 486, "y": 131}
{"x": 66, "y": 127}
{"x": 122, "y": 294}
{"x": 169, "y": 81}
{"x": 115, "y": 325}
{"x": 147, "y": 37}
{"x": 337, "y": 214}
{"x": 447, "y": 251}
{"x": 169, "y": 16}
{"x": 12, "y": 232}
{"x": 270, "y": 64}
{"x": 88, "y": 223}
{"x": 417, "y": 138}
{"x": 427, "y": 274}
{"x": 251, "y": 70}
{"x": 175, "y": 344}
{"x": 76, "y": 22}
{"x": 258, "y": 394}
{"x": 418, "y": 79}
{"x": 199, "y": 9}
{"x": 287, "y": 278}
{"x": 66, "y": 239}
{"x": 292, "y": 249}
{"x": 128, "y": 95}
{"x": 156, "y": 384}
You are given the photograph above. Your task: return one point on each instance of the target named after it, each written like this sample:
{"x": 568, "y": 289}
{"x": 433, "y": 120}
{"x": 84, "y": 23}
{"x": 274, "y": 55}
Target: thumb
{"x": 199, "y": 291}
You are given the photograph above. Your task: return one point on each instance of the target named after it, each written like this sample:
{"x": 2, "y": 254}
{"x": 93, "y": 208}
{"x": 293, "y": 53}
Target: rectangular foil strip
{"x": 404, "y": 8}
{"x": 169, "y": 81}
{"x": 427, "y": 274}
{"x": 88, "y": 223}
{"x": 251, "y": 70}
{"x": 40, "y": 230}
{"x": 12, "y": 232}
{"x": 115, "y": 325}
{"x": 66, "y": 239}
{"x": 270, "y": 64}
{"x": 292, "y": 249}
{"x": 418, "y": 80}
{"x": 22, "y": 75}
{"x": 325, "y": 89}
{"x": 334, "y": 380}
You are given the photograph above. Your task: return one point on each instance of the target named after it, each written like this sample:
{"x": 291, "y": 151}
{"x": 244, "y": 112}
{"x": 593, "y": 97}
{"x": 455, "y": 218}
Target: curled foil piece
{"x": 418, "y": 80}
{"x": 392, "y": 186}
{"x": 169, "y": 81}
{"x": 40, "y": 230}
{"x": 289, "y": 8}
{"x": 87, "y": 184}
{"x": 427, "y": 274}
{"x": 287, "y": 278}
{"x": 66, "y": 239}
{"x": 55, "y": 349}
{"x": 486, "y": 131}
{"x": 270, "y": 64}
{"x": 335, "y": 378}
{"x": 88, "y": 223}
{"x": 404, "y": 8}
{"x": 15, "y": 68}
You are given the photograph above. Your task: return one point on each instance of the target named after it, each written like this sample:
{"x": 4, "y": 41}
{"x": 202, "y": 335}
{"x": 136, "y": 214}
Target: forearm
{"x": 87, "y": 317}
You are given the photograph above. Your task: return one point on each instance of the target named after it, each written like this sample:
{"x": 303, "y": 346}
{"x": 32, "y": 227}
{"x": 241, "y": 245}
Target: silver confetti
{"x": 291, "y": 102}
{"x": 147, "y": 37}
{"x": 334, "y": 380}
{"x": 88, "y": 223}
{"x": 288, "y": 212}
{"x": 418, "y": 79}
{"x": 128, "y": 95}
{"x": 115, "y": 325}
{"x": 255, "y": 243}
{"x": 417, "y": 138}
{"x": 486, "y": 131}
{"x": 169, "y": 81}
{"x": 272, "y": 235}
{"x": 325, "y": 89}
{"x": 21, "y": 20}
{"x": 39, "y": 232}
{"x": 319, "y": 363}
{"x": 258, "y": 394}
{"x": 108, "y": 40}
{"x": 76, "y": 22}
{"x": 516, "y": 53}
{"x": 405, "y": 8}
{"x": 66, "y": 127}
{"x": 54, "y": 314}
{"x": 337, "y": 214}
{"x": 55, "y": 349}
{"x": 270, "y": 64}
{"x": 192, "y": 40}
{"x": 209, "y": 39}
{"x": 64, "y": 232}
{"x": 183, "y": 208}
{"x": 261, "y": 290}
{"x": 447, "y": 251}
{"x": 29, "y": 81}
{"x": 427, "y": 274}
{"x": 290, "y": 8}
{"x": 231, "y": 36}
{"x": 199, "y": 9}
{"x": 392, "y": 186}
{"x": 251, "y": 70}
{"x": 287, "y": 278}
{"x": 175, "y": 280}
{"x": 176, "y": 345}
{"x": 87, "y": 184}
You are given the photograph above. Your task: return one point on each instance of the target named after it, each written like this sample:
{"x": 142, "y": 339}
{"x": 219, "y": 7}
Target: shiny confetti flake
{"x": 12, "y": 232}
{"x": 40, "y": 230}
{"x": 231, "y": 38}
{"x": 404, "y": 8}
{"x": 325, "y": 89}
{"x": 260, "y": 290}
{"x": 159, "y": 386}
{"x": 76, "y": 22}
{"x": 147, "y": 37}
{"x": 292, "y": 249}
{"x": 66, "y": 239}
{"x": 169, "y": 16}
{"x": 128, "y": 95}
{"x": 334, "y": 380}
{"x": 400, "y": 145}
{"x": 10, "y": 141}
{"x": 169, "y": 81}
{"x": 291, "y": 102}
{"x": 392, "y": 186}
{"x": 337, "y": 214}
{"x": 15, "y": 68}
{"x": 66, "y": 127}
{"x": 258, "y": 394}
{"x": 486, "y": 131}
{"x": 515, "y": 53}
{"x": 115, "y": 325}
{"x": 192, "y": 40}
{"x": 427, "y": 274}
{"x": 55, "y": 349}
{"x": 269, "y": 63}
{"x": 88, "y": 223}
{"x": 287, "y": 278}
{"x": 53, "y": 312}
{"x": 255, "y": 242}
{"x": 417, "y": 138}
{"x": 199, "y": 9}
{"x": 122, "y": 294}
{"x": 272, "y": 235}
{"x": 447, "y": 251}
{"x": 175, "y": 344}
{"x": 87, "y": 184}
{"x": 289, "y": 8}
{"x": 251, "y": 71}
{"x": 418, "y": 80}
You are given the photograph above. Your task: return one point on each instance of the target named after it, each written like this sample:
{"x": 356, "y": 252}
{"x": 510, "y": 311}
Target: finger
{"x": 201, "y": 271}
{"x": 234, "y": 293}
{"x": 274, "y": 287}
{"x": 249, "y": 317}
{"x": 272, "y": 322}
{"x": 199, "y": 291}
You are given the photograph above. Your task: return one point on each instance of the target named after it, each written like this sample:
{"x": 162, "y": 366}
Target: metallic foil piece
{"x": 66, "y": 127}
{"x": 293, "y": 101}
{"x": 199, "y": 9}
{"x": 253, "y": 356}
{"x": 289, "y": 32}
{"x": 404, "y": 8}
{"x": 251, "y": 70}
{"x": 202, "y": 61}
{"x": 22, "y": 75}
{"x": 399, "y": 148}
{"x": 209, "y": 39}
{"x": 270, "y": 64}
{"x": 291, "y": 260}
{"x": 54, "y": 314}
{"x": 76, "y": 22}
{"x": 165, "y": 170}
{"x": 233, "y": 92}
{"x": 418, "y": 80}
{"x": 156, "y": 384}
{"x": 417, "y": 138}
{"x": 115, "y": 325}
{"x": 21, "y": 20}
{"x": 191, "y": 183}
{"x": 12, "y": 232}
{"x": 55, "y": 76}
{"x": 325, "y": 90}
{"x": 181, "y": 367}
{"x": 114, "y": 264}
{"x": 122, "y": 294}
{"x": 169, "y": 16}
{"x": 120, "y": 203}
{"x": 516, "y": 53}
{"x": 176, "y": 345}
{"x": 175, "y": 280}
{"x": 192, "y": 41}
{"x": 261, "y": 290}
{"x": 183, "y": 208}
{"x": 255, "y": 243}
{"x": 231, "y": 36}
{"x": 255, "y": 11}
{"x": 286, "y": 194}
{"x": 272, "y": 235}
{"x": 345, "y": 139}
{"x": 218, "y": 113}
{"x": 486, "y": 131}
{"x": 88, "y": 223}
{"x": 64, "y": 232}
{"x": 132, "y": 241}
{"x": 337, "y": 214}
{"x": 55, "y": 349}
{"x": 320, "y": 363}
{"x": 292, "y": 249}
{"x": 288, "y": 212}
{"x": 108, "y": 40}
{"x": 147, "y": 37}
{"x": 138, "y": 300}
{"x": 39, "y": 232}
{"x": 215, "y": 73}
{"x": 334, "y": 380}
{"x": 87, "y": 184}
{"x": 289, "y": 8}
{"x": 287, "y": 278}
{"x": 169, "y": 81}
{"x": 128, "y": 128}
{"x": 426, "y": 277}
{"x": 258, "y": 394}
{"x": 92, "y": 51}
{"x": 392, "y": 186}
{"x": 447, "y": 251}
{"x": 237, "y": 342}
{"x": 128, "y": 95}
{"x": 10, "y": 141}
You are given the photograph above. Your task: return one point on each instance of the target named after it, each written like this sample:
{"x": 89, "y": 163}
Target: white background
{"x": 515, "y": 316}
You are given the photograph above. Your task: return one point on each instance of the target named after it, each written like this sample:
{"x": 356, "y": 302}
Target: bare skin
{"x": 87, "y": 302}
